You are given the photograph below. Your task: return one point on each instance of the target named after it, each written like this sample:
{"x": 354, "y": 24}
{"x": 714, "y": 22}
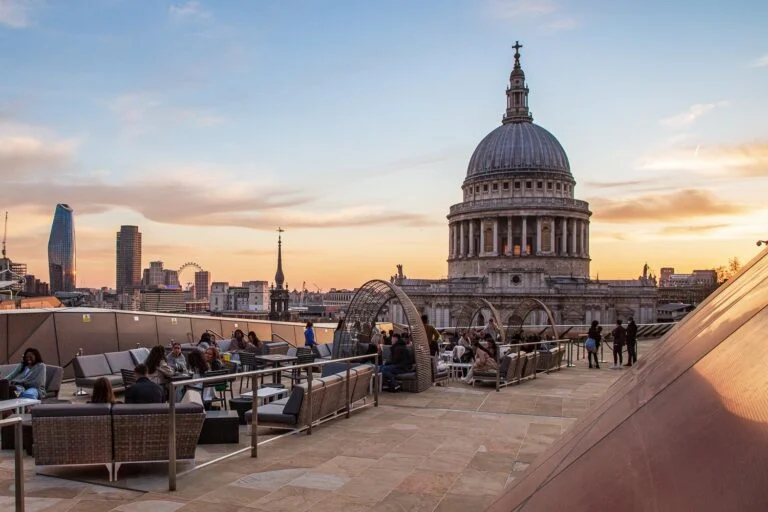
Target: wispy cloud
{"x": 140, "y": 113}
{"x": 688, "y": 230}
{"x": 616, "y": 184}
{"x": 17, "y": 13}
{"x": 761, "y": 62}
{"x": 681, "y": 204}
{"x": 545, "y": 14}
{"x": 189, "y": 10}
{"x": 746, "y": 160}
{"x": 691, "y": 115}
{"x": 29, "y": 151}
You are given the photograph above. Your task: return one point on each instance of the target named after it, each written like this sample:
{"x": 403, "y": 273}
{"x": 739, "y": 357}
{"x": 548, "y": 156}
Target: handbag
{"x": 591, "y": 345}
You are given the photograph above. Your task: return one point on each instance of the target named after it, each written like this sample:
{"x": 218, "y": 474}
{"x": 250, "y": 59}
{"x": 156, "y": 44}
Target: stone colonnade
{"x": 519, "y": 236}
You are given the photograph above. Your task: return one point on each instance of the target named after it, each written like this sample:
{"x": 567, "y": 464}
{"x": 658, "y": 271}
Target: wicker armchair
{"x": 73, "y": 434}
{"x": 141, "y": 432}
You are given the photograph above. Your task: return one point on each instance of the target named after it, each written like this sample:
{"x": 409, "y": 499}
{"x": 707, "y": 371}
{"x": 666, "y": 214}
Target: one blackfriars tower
{"x": 61, "y": 250}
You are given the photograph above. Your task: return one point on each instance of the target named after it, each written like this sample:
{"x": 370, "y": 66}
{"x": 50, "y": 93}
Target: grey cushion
{"x": 91, "y": 366}
{"x": 139, "y": 355}
{"x": 6, "y": 369}
{"x": 88, "y": 382}
{"x": 53, "y": 378}
{"x": 120, "y": 361}
{"x": 293, "y": 405}
{"x": 145, "y": 409}
{"x": 488, "y": 374}
{"x": 70, "y": 410}
{"x": 274, "y": 414}
{"x": 324, "y": 349}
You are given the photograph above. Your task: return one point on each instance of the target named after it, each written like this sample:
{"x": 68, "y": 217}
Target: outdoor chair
{"x": 219, "y": 387}
{"x": 304, "y": 355}
{"x": 129, "y": 378}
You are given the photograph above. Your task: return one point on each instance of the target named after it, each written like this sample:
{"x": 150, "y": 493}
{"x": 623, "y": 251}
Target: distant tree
{"x": 726, "y": 272}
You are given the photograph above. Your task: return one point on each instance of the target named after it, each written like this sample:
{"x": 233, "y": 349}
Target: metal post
{"x": 602, "y": 359}
{"x": 255, "y": 418}
{"x": 570, "y": 355}
{"x": 309, "y": 400}
{"x": 349, "y": 397}
{"x": 376, "y": 377}
{"x": 172, "y": 439}
{"x": 80, "y": 391}
{"x": 19, "y": 467}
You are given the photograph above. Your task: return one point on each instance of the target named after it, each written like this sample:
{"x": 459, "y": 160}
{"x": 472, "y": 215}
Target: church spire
{"x": 517, "y": 93}
{"x": 279, "y": 277}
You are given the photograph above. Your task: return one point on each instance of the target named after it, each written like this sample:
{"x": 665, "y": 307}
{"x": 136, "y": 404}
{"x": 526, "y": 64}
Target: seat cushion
{"x": 120, "y": 361}
{"x": 92, "y": 366}
{"x": 139, "y": 355}
{"x": 293, "y": 405}
{"x": 88, "y": 382}
{"x": 69, "y": 410}
{"x": 151, "y": 409}
{"x": 224, "y": 345}
{"x": 271, "y": 413}
{"x": 406, "y": 376}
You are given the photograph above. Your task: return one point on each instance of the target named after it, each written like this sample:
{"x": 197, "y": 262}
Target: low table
{"x": 275, "y": 360}
{"x": 220, "y": 427}
{"x": 17, "y": 404}
{"x": 456, "y": 370}
{"x": 244, "y": 402}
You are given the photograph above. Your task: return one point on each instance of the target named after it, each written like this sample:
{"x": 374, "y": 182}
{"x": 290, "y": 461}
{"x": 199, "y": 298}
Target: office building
{"x": 128, "y": 259}
{"x": 61, "y": 250}
{"x": 202, "y": 284}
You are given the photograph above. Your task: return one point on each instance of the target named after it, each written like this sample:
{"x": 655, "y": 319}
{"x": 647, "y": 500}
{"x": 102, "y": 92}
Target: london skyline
{"x": 352, "y": 127}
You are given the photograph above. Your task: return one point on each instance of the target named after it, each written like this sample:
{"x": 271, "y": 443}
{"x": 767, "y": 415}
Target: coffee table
{"x": 17, "y": 404}
{"x": 266, "y": 395}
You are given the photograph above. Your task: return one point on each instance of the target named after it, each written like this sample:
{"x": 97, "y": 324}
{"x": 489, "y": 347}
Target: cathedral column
{"x": 509, "y": 237}
{"x": 573, "y": 237}
{"x": 455, "y": 238}
{"x": 564, "y": 237}
{"x": 496, "y": 236}
{"x": 524, "y": 245}
{"x": 552, "y": 236}
{"x": 481, "y": 252}
{"x": 471, "y": 238}
{"x": 586, "y": 240}
{"x": 462, "y": 247}
{"x": 538, "y": 235}
{"x": 583, "y": 246}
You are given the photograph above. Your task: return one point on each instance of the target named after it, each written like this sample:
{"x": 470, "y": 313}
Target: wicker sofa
{"x": 95, "y": 434}
{"x": 329, "y": 396}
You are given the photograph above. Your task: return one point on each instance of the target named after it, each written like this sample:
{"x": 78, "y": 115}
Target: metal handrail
{"x": 275, "y": 335}
{"x": 254, "y": 406}
{"x": 18, "y": 463}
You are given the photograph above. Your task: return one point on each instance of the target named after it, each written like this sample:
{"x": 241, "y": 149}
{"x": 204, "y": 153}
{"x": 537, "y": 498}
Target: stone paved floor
{"x": 448, "y": 449}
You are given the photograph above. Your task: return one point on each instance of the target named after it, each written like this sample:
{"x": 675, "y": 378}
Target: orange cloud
{"x": 689, "y": 203}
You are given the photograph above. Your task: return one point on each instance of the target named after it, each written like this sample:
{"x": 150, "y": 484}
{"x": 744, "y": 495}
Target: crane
{"x": 5, "y": 232}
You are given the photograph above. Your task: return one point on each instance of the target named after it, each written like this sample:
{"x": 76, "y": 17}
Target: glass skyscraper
{"x": 61, "y": 250}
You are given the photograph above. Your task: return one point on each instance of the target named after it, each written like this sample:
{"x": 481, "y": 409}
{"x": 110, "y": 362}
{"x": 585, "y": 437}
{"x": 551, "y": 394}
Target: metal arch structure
{"x": 525, "y": 308}
{"x": 364, "y": 310}
{"x": 189, "y": 264}
{"x": 470, "y": 310}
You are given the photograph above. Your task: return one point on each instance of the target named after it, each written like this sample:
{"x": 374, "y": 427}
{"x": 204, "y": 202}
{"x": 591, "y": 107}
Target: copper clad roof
{"x": 687, "y": 429}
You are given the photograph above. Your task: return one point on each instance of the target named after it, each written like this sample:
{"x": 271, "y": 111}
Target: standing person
{"x": 592, "y": 348}
{"x": 432, "y": 336}
{"x": 28, "y": 378}
{"x": 309, "y": 339}
{"x": 631, "y": 342}
{"x": 619, "y": 339}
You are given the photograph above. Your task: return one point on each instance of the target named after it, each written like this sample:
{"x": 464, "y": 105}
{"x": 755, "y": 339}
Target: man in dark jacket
{"x": 399, "y": 362}
{"x": 619, "y": 339}
{"x": 143, "y": 391}
{"x": 631, "y": 342}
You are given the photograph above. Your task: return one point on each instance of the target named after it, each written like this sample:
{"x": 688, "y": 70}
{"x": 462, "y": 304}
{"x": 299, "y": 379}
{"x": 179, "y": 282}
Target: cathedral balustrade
{"x": 517, "y": 202}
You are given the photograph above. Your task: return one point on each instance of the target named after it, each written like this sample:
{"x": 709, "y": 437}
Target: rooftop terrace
{"x": 448, "y": 448}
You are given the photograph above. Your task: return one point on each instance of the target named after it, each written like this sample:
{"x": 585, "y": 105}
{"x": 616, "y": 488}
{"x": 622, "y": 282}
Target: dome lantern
{"x": 517, "y": 93}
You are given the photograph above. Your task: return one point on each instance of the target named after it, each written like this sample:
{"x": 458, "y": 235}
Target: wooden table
{"x": 275, "y": 360}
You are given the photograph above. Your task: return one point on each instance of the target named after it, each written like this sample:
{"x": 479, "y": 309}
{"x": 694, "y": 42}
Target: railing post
{"x": 80, "y": 391}
{"x": 570, "y": 355}
{"x": 172, "y": 439}
{"x": 19, "y": 467}
{"x": 349, "y": 397}
{"x": 255, "y": 417}
{"x": 376, "y": 377}
{"x": 309, "y": 400}
{"x": 602, "y": 359}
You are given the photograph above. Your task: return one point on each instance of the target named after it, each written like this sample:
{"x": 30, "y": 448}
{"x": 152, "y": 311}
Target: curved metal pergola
{"x": 470, "y": 310}
{"x": 525, "y": 308}
{"x": 365, "y": 309}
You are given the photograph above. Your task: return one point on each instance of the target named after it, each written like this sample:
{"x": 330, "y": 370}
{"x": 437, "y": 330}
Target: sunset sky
{"x": 350, "y": 124}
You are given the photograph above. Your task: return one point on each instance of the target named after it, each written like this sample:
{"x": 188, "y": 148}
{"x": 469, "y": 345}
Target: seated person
{"x": 399, "y": 362}
{"x": 144, "y": 391}
{"x": 158, "y": 370}
{"x": 213, "y": 359}
{"x": 255, "y": 345}
{"x": 206, "y": 340}
{"x": 238, "y": 341}
{"x": 176, "y": 359}
{"x": 102, "y": 392}
{"x": 28, "y": 378}
{"x": 486, "y": 358}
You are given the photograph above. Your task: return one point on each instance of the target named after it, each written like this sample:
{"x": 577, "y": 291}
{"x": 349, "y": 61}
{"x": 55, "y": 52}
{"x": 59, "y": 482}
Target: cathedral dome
{"x": 515, "y": 147}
